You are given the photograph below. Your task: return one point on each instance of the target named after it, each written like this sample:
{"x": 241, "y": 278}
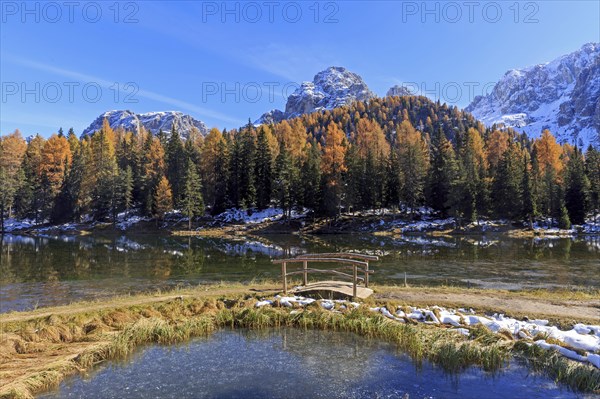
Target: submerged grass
{"x": 80, "y": 341}
{"x": 578, "y": 376}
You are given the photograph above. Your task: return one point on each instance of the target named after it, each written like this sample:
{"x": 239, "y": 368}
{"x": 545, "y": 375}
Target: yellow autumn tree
{"x": 550, "y": 164}
{"x": 333, "y": 166}
{"x": 56, "y": 160}
{"x": 211, "y": 164}
{"x": 548, "y": 153}
{"x": 163, "y": 199}
{"x": 496, "y": 145}
{"x": 413, "y": 159}
{"x": 12, "y": 150}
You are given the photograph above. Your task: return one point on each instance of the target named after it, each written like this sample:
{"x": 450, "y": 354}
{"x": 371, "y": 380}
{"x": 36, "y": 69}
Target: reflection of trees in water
{"x": 37, "y": 259}
{"x": 335, "y": 354}
{"x": 192, "y": 260}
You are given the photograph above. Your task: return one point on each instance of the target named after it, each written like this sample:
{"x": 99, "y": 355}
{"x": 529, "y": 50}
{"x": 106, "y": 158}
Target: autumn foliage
{"x": 395, "y": 152}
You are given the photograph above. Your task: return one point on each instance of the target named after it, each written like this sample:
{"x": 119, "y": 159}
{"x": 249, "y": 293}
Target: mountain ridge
{"x": 331, "y": 88}
{"x": 562, "y": 95}
{"x": 151, "y": 121}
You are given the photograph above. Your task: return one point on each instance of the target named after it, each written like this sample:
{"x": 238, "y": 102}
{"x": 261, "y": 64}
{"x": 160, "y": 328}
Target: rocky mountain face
{"x": 331, "y": 88}
{"x": 399, "y": 91}
{"x": 151, "y": 121}
{"x": 562, "y": 95}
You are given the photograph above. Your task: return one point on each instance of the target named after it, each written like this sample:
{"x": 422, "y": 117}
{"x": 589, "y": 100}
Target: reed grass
{"x": 111, "y": 334}
{"x": 578, "y": 376}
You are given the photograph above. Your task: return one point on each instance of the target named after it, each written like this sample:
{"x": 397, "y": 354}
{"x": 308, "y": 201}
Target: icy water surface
{"x": 43, "y": 271}
{"x": 295, "y": 364}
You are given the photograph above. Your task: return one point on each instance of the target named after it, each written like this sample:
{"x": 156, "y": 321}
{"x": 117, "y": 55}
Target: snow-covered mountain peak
{"x": 562, "y": 95}
{"x": 330, "y": 88}
{"x": 151, "y": 121}
{"x": 399, "y": 91}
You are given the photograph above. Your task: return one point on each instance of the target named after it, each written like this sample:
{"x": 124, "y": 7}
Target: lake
{"x": 48, "y": 270}
{"x": 294, "y": 363}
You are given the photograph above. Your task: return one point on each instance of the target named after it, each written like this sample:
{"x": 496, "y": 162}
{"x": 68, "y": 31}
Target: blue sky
{"x": 63, "y": 65}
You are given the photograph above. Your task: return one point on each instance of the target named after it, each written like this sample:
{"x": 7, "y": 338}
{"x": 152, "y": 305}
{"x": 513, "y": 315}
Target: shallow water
{"x": 44, "y": 271}
{"x": 294, "y": 363}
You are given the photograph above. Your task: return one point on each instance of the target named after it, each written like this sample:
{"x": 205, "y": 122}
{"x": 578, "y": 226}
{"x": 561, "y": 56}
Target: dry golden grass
{"x": 40, "y": 348}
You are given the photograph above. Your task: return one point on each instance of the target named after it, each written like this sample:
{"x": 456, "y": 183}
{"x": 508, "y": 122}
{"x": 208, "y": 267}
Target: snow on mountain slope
{"x": 331, "y": 88}
{"x": 399, "y": 91}
{"x": 151, "y": 121}
{"x": 562, "y": 95}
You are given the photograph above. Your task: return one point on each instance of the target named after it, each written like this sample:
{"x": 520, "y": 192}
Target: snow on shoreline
{"x": 583, "y": 338}
{"x": 422, "y": 220}
{"x": 253, "y": 216}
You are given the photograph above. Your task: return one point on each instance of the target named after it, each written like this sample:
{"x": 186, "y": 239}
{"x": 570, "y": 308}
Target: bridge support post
{"x": 354, "y": 283}
{"x": 305, "y": 274}
{"x": 367, "y": 275}
{"x": 284, "y": 276}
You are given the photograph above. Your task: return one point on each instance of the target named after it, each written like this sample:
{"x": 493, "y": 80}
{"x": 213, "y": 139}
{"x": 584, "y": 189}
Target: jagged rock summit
{"x": 151, "y": 121}
{"x": 399, "y": 91}
{"x": 562, "y": 95}
{"x": 331, "y": 88}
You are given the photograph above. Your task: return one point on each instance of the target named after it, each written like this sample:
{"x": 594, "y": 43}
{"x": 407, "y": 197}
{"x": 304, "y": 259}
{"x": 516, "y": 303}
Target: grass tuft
{"x": 98, "y": 336}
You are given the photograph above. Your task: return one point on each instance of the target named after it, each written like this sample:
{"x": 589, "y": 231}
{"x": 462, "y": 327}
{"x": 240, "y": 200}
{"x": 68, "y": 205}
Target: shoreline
{"x": 40, "y": 348}
{"x": 389, "y": 225}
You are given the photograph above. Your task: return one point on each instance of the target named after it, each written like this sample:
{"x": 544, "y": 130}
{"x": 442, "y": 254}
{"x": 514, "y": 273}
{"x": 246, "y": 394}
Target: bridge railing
{"x": 356, "y": 263}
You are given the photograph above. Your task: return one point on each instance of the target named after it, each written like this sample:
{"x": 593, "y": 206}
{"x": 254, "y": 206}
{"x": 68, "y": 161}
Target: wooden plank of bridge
{"x": 339, "y": 255}
{"x": 350, "y": 260}
{"x": 341, "y": 287}
{"x": 343, "y": 255}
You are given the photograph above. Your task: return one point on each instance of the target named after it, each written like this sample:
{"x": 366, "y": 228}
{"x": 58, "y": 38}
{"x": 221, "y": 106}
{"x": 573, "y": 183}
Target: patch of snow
{"x": 12, "y": 224}
{"x": 253, "y": 216}
{"x": 581, "y": 337}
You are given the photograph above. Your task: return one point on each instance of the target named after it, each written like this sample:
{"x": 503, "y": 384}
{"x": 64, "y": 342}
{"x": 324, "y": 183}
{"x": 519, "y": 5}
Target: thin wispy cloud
{"x": 150, "y": 95}
{"x": 287, "y": 62}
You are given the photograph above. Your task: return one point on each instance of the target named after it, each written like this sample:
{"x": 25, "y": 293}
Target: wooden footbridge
{"x": 354, "y": 267}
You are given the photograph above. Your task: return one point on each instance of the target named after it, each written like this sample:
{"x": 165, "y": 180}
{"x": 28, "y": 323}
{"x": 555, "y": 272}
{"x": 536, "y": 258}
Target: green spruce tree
{"x": 192, "y": 201}
{"x": 263, "y": 170}
{"x": 577, "y": 188}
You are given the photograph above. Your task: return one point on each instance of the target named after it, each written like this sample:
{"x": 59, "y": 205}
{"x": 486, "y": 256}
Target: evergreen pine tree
{"x": 442, "y": 174}
{"x": 470, "y": 188}
{"x": 192, "y": 201}
{"x": 414, "y": 163}
{"x": 105, "y": 181}
{"x": 283, "y": 181}
{"x": 235, "y": 172}
{"x": 311, "y": 177}
{"x": 529, "y": 210}
{"x": 563, "y": 221}
{"x": 592, "y": 167}
{"x": 220, "y": 187}
{"x": 577, "y": 187}
{"x": 126, "y": 188}
{"x": 29, "y": 197}
{"x": 263, "y": 170}
{"x": 507, "y": 183}
{"x": 355, "y": 180}
{"x": 393, "y": 179}
{"x": 153, "y": 170}
{"x": 176, "y": 164}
